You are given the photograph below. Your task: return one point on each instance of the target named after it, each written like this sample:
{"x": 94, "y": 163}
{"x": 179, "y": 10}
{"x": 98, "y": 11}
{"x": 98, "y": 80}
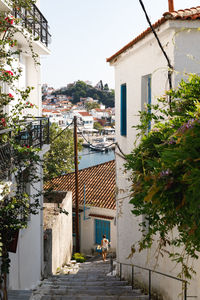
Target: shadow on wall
{"x": 57, "y": 231}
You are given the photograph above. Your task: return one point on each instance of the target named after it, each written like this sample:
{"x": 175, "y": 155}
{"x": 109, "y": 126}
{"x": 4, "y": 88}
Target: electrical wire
{"x": 161, "y": 47}
{"x": 62, "y": 131}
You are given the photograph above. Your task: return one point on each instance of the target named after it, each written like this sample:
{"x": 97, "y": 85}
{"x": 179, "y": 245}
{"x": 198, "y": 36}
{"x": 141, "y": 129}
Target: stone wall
{"x": 57, "y": 231}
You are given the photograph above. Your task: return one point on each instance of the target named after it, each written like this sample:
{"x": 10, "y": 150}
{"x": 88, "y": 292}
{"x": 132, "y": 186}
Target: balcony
{"x": 31, "y": 132}
{"x": 35, "y": 22}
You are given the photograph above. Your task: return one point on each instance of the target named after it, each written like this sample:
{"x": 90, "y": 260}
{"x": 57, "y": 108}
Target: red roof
{"x": 99, "y": 182}
{"x": 186, "y": 14}
{"x": 84, "y": 114}
{"x": 46, "y": 110}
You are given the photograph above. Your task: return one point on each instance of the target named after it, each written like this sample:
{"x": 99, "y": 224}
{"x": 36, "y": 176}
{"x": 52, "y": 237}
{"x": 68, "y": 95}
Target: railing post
{"x": 149, "y": 284}
{"x": 41, "y": 139}
{"x": 48, "y": 132}
{"x": 31, "y": 135}
{"x": 132, "y": 277}
{"x": 120, "y": 271}
{"x": 185, "y": 291}
{"x": 111, "y": 263}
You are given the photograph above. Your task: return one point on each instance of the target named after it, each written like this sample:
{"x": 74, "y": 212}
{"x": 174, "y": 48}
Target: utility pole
{"x": 76, "y": 185}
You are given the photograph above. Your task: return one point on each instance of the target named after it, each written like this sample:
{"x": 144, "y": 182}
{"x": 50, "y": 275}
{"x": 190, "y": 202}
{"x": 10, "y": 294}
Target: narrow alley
{"x": 93, "y": 281}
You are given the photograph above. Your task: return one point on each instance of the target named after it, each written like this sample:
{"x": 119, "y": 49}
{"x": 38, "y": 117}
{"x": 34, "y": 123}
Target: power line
{"x": 160, "y": 45}
{"x": 62, "y": 131}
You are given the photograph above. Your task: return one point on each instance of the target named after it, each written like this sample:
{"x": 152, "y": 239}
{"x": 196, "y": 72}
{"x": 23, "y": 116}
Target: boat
{"x": 100, "y": 144}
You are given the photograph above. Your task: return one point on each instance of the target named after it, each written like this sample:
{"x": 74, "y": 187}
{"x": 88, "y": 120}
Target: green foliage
{"x": 91, "y": 105}
{"x": 165, "y": 173}
{"x": 81, "y": 89}
{"x": 79, "y": 257}
{"x": 98, "y": 126}
{"x": 60, "y": 158}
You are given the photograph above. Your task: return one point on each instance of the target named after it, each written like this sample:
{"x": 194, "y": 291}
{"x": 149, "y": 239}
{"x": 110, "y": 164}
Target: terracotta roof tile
{"x": 182, "y": 14}
{"x": 84, "y": 113}
{"x": 101, "y": 216}
{"x": 99, "y": 184}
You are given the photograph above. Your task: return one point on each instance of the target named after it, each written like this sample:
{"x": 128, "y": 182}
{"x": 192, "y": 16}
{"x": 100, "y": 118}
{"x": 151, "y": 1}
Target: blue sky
{"x": 86, "y": 32}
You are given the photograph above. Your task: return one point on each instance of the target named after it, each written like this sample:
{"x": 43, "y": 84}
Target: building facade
{"x": 27, "y": 263}
{"x": 141, "y": 75}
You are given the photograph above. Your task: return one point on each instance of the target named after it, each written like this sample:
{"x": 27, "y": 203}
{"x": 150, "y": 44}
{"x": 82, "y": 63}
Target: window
{"x": 101, "y": 227}
{"x": 123, "y": 121}
{"x": 146, "y": 94}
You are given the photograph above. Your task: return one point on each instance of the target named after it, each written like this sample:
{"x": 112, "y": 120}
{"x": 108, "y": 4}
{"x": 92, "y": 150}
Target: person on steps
{"x": 104, "y": 247}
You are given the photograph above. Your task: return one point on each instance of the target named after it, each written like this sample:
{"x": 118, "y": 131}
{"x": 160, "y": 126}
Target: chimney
{"x": 171, "y": 5}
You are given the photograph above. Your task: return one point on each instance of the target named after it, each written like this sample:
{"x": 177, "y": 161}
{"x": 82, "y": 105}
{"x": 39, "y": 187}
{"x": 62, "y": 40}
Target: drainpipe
{"x": 171, "y": 5}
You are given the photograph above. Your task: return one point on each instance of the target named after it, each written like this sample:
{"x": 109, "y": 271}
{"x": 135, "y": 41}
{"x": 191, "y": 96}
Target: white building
{"x": 141, "y": 75}
{"x": 86, "y": 120}
{"x": 97, "y": 206}
{"x": 27, "y": 263}
{"x": 100, "y": 113}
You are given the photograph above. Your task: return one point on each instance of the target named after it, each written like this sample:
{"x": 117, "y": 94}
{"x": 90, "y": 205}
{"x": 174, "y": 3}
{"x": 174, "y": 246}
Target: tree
{"x": 98, "y": 126}
{"x": 166, "y": 174}
{"x": 81, "y": 89}
{"x": 60, "y": 158}
{"x": 106, "y": 88}
{"x": 91, "y": 105}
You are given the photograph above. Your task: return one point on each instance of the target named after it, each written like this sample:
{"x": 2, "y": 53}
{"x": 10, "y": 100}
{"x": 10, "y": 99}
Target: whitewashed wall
{"x": 27, "y": 263}
{"x": 146, "y": 58}
{"x": 87, "y": 231}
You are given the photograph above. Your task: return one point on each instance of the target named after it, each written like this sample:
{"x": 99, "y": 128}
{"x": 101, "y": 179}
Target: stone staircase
{"x": 92, "y": 282}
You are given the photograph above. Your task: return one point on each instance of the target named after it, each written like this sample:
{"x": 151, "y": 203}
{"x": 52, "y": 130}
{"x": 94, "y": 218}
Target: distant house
{"x": 87, "y": 120}
{"x": 141, "y": 74}
{"x": 97, "y": 206}
{"x": 100, "y": 113}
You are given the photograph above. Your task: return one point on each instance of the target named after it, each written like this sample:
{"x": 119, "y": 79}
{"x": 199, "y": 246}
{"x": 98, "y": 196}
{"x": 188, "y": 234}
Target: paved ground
{"x": 91, "y": 281}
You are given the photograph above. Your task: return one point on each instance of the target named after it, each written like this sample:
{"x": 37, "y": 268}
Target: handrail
{"x": 185, "y": 283}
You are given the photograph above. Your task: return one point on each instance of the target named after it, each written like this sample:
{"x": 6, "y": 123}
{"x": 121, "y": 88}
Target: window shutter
{"x": 123, "y": 124}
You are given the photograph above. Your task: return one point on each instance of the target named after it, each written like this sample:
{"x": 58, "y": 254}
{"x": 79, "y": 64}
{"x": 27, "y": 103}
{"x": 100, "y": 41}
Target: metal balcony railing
{"x": 5, "y": 155}
{"x": 33, "y": 20}
{"x": 30, "y": 132}
{"x": 33, "y": 132}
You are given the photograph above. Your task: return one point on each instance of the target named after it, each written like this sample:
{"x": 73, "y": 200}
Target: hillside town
{"x": 94, "y": 118}
{"x": 124, "y": 226}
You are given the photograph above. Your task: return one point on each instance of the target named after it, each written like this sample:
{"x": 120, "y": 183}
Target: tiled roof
{"x": 84, "y": 113}
{"x": 183, "y": 14}
{"x": 99, "y": 184}
{"x": 101, "y": 216}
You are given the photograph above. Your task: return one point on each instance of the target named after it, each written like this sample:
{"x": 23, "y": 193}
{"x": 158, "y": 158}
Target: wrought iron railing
{"x": 33, "y": 132}
{"x": 5, "y": 155}
{"x": 30, "y": 132}
{"x": 150, "y": 271}
{"x": 34, "y": 20}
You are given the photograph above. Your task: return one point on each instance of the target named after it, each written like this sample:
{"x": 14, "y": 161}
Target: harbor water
{"x": 89, "y": 158}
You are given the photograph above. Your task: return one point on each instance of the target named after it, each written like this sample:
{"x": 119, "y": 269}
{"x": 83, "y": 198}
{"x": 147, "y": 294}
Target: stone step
{"x": 77, "y": 279}
{"x": 88, "y": 283}
{"x": 86, "y": 297}
{"x": 91, "y": 291}
{"x": 19, "y": 295}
